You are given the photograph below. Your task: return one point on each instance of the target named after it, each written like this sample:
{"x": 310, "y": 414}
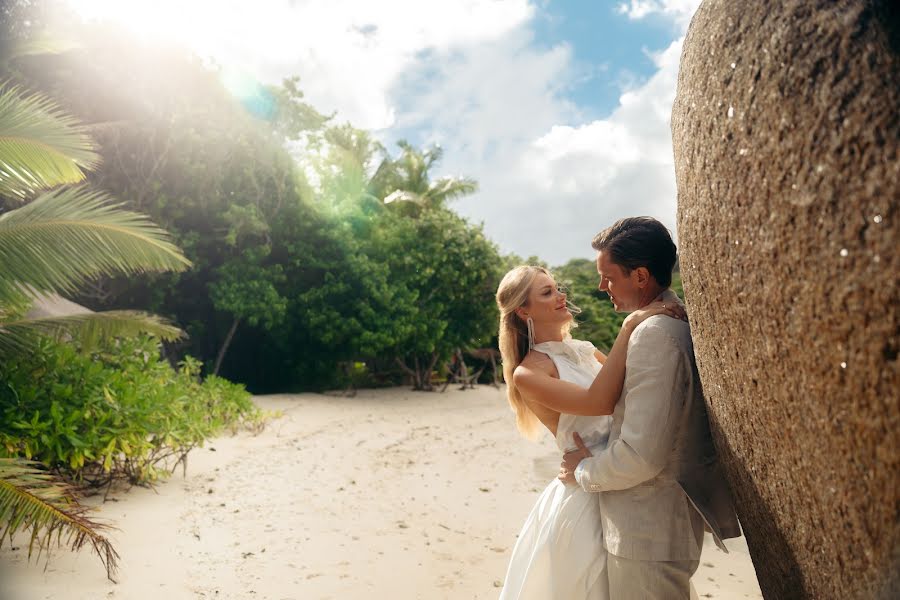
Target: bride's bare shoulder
{"x": 538, "y": 362}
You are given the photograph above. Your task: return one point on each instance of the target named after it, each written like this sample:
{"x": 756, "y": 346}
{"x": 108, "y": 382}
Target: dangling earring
{"x": 530, "y": 324}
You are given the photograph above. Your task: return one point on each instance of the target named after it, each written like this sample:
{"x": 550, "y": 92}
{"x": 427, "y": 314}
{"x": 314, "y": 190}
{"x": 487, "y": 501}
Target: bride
{"x": 551, "y": 378}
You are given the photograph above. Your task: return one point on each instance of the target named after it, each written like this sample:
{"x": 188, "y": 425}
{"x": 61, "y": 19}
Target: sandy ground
{"x": 391, "y": 494}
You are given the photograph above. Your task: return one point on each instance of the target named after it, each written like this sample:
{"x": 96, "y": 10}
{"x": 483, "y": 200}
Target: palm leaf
{"x": 402, "y": 196}
{"x": 40, "y": 145}
{"x": 17, "y": 302}
{"x": 72, "y": 234}
{"x": 31, "y": 498}
{"x": 40, "y": 44}
{"x": 384, "y": 178}
{"x": 448, "y": 188}
{"x": 87, "y": 328}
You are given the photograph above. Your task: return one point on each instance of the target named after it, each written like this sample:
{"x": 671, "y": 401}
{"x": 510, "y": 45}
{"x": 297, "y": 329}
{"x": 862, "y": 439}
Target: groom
{"x": 658, "y": 480}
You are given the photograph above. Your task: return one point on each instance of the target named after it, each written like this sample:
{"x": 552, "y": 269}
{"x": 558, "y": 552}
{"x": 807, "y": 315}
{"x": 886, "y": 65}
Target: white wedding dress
{"x": 559, "y": 554}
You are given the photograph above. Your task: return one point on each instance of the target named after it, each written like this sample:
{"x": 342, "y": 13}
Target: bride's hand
{"x": 669, "y": 308}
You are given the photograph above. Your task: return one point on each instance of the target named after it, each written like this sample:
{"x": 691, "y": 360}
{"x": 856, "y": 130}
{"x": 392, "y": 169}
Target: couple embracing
{"x": 639, "y": 482}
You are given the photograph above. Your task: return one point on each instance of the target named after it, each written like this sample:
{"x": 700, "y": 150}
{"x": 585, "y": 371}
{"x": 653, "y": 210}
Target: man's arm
{"x": 655, "y": 381}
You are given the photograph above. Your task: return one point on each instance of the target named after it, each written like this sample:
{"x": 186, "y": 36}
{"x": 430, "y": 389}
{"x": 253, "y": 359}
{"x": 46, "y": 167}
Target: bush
{"x": 120, "y": 412}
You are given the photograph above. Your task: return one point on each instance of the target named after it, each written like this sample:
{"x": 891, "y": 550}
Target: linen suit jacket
{"x": 658, "y": 479}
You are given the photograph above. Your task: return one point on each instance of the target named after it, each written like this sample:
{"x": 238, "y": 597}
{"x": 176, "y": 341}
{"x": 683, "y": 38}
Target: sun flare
{"x": 187, "y": 23}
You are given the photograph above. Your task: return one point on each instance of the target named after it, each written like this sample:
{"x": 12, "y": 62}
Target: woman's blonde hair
{"x": 512, "y": 294}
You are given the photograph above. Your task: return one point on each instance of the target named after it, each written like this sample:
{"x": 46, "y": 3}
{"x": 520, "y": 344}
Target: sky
{"x": 559, "y": 108}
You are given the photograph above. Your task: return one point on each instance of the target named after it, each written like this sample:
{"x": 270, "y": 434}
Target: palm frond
{"x": 40, "y": 145}
{"x": 384, "y": 178}
{"x": 87, "y": 328}
{"x": 40, "y": 44}
{"x": 17, "y": 301}
{"x": 433, "y": 155}
{"x": 31, "y": 498}
{"x": 448, "y": 188}
{"x": 72, "y": 234}
{"x": 402, "y": 196}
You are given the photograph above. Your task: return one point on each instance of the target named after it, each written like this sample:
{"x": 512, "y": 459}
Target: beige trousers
{"x": 650, "y": 580}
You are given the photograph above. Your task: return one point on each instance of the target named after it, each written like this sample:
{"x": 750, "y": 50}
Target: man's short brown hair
{"x": 639, "y": 242}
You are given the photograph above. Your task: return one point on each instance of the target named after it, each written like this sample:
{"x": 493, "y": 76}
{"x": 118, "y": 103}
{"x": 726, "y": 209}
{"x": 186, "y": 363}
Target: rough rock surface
{"x": 786, "y": 135}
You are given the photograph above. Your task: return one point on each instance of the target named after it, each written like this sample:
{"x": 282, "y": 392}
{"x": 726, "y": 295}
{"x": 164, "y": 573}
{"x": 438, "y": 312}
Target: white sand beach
{"x": 390, "y": 494}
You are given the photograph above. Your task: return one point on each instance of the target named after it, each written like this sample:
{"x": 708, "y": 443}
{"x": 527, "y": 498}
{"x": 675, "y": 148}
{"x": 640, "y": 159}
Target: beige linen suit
{"x": 658, "y": 479}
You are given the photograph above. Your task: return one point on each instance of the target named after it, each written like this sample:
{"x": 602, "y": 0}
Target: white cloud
{"x": 565, "y": 185}
{"x": 348, "y": 53}
{"x": 468, "y": 75}
{"x": 636, "y": 132}
{"x": 486, "y": 103}
{"x": 551, "y": 194}
{"x": 354, "y": 63}
{"x": 678, "y": 11}
{"x": 485, "y": 100}
{"x": 549, "y": 179}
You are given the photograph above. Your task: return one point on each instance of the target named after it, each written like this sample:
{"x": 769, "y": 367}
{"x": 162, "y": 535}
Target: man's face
{"x": 622, "y": 289}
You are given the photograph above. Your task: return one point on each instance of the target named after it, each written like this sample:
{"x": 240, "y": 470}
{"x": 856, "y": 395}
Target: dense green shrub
{"x": 301, "y": 266}
{"x": 119, "y": 412}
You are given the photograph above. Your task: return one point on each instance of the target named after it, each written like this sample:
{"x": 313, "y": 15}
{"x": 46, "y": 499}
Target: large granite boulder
{"x": 786, "y": 135}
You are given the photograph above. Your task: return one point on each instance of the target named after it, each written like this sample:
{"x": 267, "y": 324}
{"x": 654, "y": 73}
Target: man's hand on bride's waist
{"x": 571, "y": 460}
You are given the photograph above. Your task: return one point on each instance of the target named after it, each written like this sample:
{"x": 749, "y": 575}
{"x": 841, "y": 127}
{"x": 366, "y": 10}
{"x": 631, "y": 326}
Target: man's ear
{"x": 642, "y": 276}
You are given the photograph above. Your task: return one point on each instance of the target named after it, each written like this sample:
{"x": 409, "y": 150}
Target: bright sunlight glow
{"x": 350, "y": 53}
{"x": 188, "y": 23}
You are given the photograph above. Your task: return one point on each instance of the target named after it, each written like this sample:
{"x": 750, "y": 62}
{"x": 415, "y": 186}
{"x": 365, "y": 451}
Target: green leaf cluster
{"x": 59, "y": 240}
{"x": 314, "y": 249}
{"x": 32, "y": 498}
{"x": 119, "y": 412}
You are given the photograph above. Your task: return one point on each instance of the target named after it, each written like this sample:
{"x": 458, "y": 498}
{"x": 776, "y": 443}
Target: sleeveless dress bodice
{"x": 559, "y": 552}
{"x": 576, "y": 363}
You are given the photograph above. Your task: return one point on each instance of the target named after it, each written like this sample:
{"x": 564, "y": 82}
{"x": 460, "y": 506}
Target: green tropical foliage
{"x": 38, "y": 242}
{"x": 21, "y": 334}
{"x": 319, "y": 259}
{"x": 65, "y": 236}
{"x": 181, "y": 149}
{"x": 33, "y": 499}
{"x": 52, "y": 244}
{"x": 117, "y": 412}
{"x": 40, "y": 145}
{"x": 297, "y": 279}
{"x": 316, "y": 250}
{"x": 450, "y": 271}
{"x": 407, "y": 178}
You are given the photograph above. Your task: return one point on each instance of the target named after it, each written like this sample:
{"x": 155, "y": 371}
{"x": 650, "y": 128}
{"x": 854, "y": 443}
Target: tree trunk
{"x": 451, "y": 374}
{"x": 348, "y": 373}
{"x": 421, "y": 376}
{"x": 225, "y": 345}
{"x": 463, "y": 370}
{"x": 426, "y": 376}
{"x": 418, "y": 384}
{"x": 414, "y": 375}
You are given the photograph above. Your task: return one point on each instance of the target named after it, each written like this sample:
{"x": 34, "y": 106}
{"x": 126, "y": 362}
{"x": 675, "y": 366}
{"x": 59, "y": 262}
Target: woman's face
{"x": 546, "y": 303}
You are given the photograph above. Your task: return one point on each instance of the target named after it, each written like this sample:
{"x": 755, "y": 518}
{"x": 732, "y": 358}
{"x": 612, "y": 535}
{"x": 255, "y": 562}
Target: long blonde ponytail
{"x": 512, "y": 294}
